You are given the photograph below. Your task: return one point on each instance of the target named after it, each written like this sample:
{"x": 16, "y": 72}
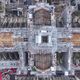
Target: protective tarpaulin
{"x": 0, "y": 76}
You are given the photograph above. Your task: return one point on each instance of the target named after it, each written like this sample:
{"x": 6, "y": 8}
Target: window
{"x": 73, "y": 2}
{"x": 11, "y": 1}
{"x": 49, "y": 1}
{"x": 78, "y": 6}
{"x": 26, "y": 58}
{"x": 76, "y": 19}
{"x": 9, "y": 56}
{"x": 1, "y": 7}
{"x": 25, "y": 39}
{"x": 14, "y": 12}
{"x": 76, "y": 58}
{"x": 59, "y": 57}
{"x": 44, "y": 39}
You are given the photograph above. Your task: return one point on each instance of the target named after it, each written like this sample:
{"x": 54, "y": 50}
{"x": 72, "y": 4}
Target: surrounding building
{"x": 40, "y": 37}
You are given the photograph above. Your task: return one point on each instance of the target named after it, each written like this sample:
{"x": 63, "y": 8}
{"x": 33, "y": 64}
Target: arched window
{"x": 42, "y": 17}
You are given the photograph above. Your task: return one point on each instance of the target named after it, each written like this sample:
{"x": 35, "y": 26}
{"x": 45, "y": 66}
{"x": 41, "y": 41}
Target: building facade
{"x": 42, "y": 38}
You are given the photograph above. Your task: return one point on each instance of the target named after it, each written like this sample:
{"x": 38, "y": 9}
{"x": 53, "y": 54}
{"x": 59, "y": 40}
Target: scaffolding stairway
{"x": 28, "y": 77}
{"x": 47, "y": 78}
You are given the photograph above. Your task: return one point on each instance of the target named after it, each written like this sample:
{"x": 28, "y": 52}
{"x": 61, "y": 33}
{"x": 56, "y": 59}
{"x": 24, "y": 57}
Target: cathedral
{"x": 40, "y": 38}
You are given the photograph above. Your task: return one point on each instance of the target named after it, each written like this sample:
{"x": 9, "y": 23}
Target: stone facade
{"x": 42, "y": 35}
